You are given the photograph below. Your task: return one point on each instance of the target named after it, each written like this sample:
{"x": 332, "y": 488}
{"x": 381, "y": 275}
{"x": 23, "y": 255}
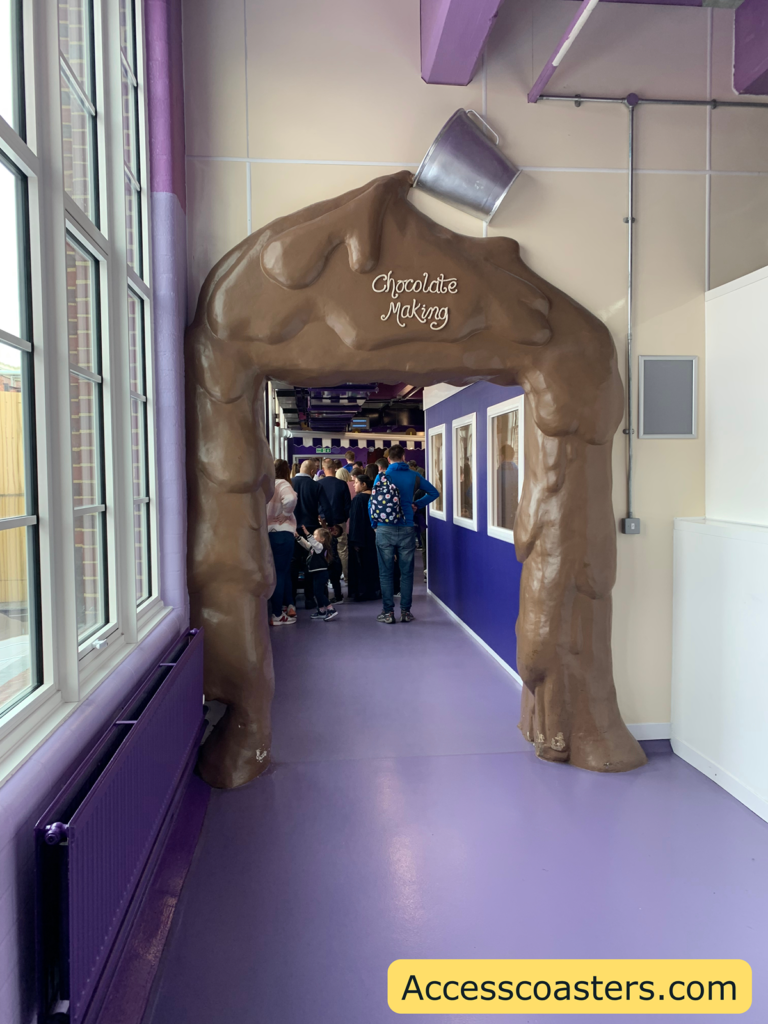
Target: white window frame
{"x": 432, "y": 512}
{"x": 493, "y": 412}
{"x": 458, "y": 519}
{"x": 71, "y": 672}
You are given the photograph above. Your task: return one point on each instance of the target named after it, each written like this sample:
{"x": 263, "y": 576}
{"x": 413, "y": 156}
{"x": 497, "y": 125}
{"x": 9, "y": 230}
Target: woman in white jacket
{"x": 281, "y": 523}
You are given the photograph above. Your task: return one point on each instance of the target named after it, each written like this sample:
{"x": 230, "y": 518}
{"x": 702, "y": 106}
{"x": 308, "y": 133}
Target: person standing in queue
{"x": 391, "y": 509}
{"x": 363, "y": 560}
{"x": 306, "y": 517}
{"x": 281, "y": 525}
{"x": 342, "y": 538}
{"x": 333, "y": 509}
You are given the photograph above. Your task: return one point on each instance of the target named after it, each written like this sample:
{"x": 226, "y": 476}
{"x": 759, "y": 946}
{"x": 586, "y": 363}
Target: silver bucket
{"x": 465, "y": 167}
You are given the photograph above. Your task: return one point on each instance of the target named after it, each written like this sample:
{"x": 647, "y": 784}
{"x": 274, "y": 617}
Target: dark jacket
{"x": 361, "y": 532}
{"x": 333, "y": 500}
{"x": 306, "y": 503}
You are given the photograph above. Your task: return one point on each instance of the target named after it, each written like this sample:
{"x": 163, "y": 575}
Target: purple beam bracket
{"x": 453, "y": 36}
{"x": 750, "y": 48}
{"x": 584, "y": 11}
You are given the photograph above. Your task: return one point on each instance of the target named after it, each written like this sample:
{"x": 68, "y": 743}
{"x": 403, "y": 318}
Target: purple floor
{"x": 405, "y": 817}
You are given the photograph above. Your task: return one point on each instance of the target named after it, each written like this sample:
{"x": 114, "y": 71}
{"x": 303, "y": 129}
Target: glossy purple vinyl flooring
{"x": 405, "y": 817}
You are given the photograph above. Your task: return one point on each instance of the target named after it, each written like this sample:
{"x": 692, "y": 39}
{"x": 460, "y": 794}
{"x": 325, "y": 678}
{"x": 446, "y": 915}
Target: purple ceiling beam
{"x": 585, "y": 9}
{"x": 453, "y": 35}
{"x": 750, "y": 49}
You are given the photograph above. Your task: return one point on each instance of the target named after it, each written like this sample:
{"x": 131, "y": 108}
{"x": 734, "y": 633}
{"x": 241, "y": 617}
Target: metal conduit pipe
{"x": 630, "y": 524}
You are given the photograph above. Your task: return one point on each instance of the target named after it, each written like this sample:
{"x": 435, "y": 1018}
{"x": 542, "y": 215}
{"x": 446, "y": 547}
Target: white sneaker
{"x": 280, "y": 620}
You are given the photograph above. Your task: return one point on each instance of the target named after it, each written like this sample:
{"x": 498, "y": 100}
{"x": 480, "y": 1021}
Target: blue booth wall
{"x": 476, "y": 576}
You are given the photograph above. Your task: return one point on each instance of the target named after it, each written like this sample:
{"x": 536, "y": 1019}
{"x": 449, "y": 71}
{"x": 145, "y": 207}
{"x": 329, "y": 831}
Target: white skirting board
{"x": 723, "y": 778}
{"x": 641, "y": 731}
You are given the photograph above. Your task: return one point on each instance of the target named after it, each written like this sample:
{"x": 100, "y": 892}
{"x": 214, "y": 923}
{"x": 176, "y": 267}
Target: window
{"x": 78, "y": 567}
{"x": 78, "y": 104}
{"x": 465, "y": 472}
{"x": 436, "y": 464}
{"x": 87, "y": 430}
{"x": 19, "y": 606}
{"x": 11, "y": 66}
{"x": 131, "y": 148}
{"x": 139, "y": 447}
{"x": 505, "y": 466}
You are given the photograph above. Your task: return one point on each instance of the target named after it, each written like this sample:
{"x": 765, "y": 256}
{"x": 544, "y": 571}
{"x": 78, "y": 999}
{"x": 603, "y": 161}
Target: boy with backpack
{"x": 391, "y": 510}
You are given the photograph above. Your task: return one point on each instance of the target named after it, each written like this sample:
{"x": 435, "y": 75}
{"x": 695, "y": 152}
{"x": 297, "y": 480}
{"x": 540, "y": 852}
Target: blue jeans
{"x": 391, "y": 540}
{"x": 281, "y": 542}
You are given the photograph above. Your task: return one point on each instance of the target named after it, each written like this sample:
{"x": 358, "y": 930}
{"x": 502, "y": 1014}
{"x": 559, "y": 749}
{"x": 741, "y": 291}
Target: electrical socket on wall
{"x": 630, "y": 525}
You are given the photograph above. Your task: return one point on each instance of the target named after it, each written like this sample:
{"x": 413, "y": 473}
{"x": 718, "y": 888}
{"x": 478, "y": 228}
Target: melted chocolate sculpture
{"x": 364, "y": 287}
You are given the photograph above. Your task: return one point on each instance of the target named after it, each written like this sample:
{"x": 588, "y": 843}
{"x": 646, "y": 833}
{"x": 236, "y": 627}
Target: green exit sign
{"x": 323, "y": 451}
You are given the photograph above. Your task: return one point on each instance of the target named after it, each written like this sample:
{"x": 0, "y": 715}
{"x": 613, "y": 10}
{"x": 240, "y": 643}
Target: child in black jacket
{"x": 319, "y": 558}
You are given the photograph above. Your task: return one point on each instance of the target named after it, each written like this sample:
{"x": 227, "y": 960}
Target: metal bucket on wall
{"x": 465, "y": 167}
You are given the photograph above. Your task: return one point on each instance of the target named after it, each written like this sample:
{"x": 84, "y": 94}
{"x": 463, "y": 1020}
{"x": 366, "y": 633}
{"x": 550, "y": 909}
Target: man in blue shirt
{"x": 400, "y": 538}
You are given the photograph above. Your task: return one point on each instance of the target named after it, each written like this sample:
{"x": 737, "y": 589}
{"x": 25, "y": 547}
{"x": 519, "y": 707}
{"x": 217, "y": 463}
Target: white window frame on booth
{"x": 458, "y": 519}
{"x": 493, "y": 412}
{"x": 432, "y": 511}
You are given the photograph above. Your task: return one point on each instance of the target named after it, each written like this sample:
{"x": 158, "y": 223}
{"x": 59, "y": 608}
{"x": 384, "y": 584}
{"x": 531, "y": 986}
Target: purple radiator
{"x": 95, "y": 840}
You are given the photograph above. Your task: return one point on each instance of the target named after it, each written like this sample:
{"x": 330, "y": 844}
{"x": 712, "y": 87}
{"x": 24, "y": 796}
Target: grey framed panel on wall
{"x": 668, "y": 397}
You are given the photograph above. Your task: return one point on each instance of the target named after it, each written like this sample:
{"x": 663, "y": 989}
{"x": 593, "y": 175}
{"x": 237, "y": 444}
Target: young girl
{"x": 320, "y": 556}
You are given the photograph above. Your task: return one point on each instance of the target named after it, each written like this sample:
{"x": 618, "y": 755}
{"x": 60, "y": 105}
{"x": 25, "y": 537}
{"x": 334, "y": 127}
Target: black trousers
{"x": 363, "y": 573}
{"x": 299, "y": 565}
{"x": 334, "y": 571}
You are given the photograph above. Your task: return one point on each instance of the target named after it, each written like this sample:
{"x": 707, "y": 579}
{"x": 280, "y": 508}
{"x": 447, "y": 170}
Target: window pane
{"x": 505, "y": 442}
{"x": 10, "y": 270}
{"x": 10, "y": 63}
{"x": 464, "y": 470}
{"x": 141, "y": 549}
{"x": 130, "y": 149}
{"x": 84, "y": 418}
{"x": 12, "y": 469}
{"x": 133, "y": 225}
{"x": 127, "y": 38}
{"x": 16, "y": 675}
{"x": 90, "y": 574}
{"x": 436, "y": 468}
{"x": 136, "y": 342}
{"x": 75, "y": 40}
{"x": 139, "y": 447}
{"x": 78, "y": 142}
{"x": 82, "y": 309}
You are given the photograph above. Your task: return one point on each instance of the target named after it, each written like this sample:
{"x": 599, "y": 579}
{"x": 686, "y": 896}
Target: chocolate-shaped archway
{"x": 300, "y": 301}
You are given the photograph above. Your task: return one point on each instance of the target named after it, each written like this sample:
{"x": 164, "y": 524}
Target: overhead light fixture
{"x": 465, "y": 167}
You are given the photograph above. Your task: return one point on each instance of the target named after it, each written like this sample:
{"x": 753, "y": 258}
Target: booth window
{"x": 436, "y": 467}
{"x": 465, "y": 471}
{"x": 505, "y": 466}
{"x": 78, "y": 567}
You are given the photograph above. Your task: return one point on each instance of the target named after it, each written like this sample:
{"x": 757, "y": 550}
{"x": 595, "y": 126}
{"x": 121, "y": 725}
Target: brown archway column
{"x": 314, "y": 298}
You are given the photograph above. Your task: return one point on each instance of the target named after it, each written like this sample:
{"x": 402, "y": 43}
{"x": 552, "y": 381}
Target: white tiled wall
{"x": 292, "y": 102}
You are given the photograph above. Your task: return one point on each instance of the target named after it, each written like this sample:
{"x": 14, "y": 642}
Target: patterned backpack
{"x": 384, "y": 506}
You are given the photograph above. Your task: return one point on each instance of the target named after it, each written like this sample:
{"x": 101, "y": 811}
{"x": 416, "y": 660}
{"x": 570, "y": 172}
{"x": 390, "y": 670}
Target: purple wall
{"x": 476, "y": 576}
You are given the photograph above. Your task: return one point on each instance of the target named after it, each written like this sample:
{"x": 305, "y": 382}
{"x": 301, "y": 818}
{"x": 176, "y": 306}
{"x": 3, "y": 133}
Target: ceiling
{"x": 393, "y": 406}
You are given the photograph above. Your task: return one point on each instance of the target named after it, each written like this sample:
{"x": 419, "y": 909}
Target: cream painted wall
{"x": 292, "y": 102}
